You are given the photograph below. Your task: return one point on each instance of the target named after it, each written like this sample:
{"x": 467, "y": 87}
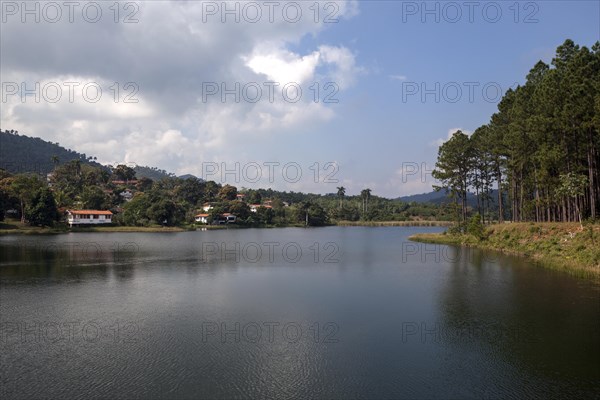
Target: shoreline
{"x": 16, "y": 228}
{"x": 393, "y": 223}
{"x": 558, "y": 246}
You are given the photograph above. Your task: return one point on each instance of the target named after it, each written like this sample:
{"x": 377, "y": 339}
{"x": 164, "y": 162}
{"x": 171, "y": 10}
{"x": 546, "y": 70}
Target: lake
{"x": 336, "y": 312}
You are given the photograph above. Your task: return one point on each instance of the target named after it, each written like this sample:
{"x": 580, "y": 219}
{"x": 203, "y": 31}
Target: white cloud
{"x": 398, "y": 77}
{"x": 283, "y": 66}
{"x": 345, "y": 71}
{"x": 451, "y": 132}
{"x": 170, "y": 54}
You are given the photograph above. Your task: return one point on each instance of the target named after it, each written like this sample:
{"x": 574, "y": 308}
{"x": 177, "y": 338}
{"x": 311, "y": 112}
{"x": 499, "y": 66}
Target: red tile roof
{"x": 98, "y": 212}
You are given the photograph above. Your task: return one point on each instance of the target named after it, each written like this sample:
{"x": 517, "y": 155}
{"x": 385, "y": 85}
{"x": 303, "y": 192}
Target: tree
{"x": 365, "y": 194}
{"x": 166, "y": 212}
{"x": 228, "y": 192}
{"x": 55, "y": 161}
{"x": 210, "y": 190}
{"x": 135, "y": 211}
{"x": 124, "y": 172}
{"x": 42, "y": 209}
{"x": 190, "y": 190}
{"x": 93, "y": 198}
{"x": 24, "y": 187}
{"x": 539, "y": 145}
{"x": 453, "y": 168}
{"x": 572, "y": 185}
{"x": 341, "y": 192}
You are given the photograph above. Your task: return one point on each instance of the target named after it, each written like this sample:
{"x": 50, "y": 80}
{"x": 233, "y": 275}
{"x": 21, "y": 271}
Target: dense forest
{"x": 540, "y": 149}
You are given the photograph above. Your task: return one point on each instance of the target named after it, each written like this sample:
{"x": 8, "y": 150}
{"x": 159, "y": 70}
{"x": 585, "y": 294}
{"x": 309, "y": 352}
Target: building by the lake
{"x": 88, "y": 217}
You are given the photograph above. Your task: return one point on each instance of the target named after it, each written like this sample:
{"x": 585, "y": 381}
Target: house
{"x": 255, "y": 207}
{"x": 127, "y": 195}
{"x": 88, "y": 217}
{"x": 203, "y": 218}
{"x": 240, "y": 196}
{"x": 206, "y": 207}
{"x": 49, "y": 178}
{"x": 127, "y": 182}
{"x": 229, "y": 218}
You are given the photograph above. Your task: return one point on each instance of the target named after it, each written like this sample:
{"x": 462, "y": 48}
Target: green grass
{"x": 560, "y": 246}
{"x": 12, "y": 226}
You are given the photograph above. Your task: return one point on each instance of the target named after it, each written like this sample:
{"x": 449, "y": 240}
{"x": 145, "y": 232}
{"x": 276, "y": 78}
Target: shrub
{"x": 475, "y": 227}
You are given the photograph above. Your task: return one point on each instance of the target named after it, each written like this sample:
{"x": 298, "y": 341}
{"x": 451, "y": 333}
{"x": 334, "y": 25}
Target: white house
{"x": 206, "y": 207}
{"x": 203, "y": 218}
{"x": 127, "y": 195}
{"x": 88, "y": 217}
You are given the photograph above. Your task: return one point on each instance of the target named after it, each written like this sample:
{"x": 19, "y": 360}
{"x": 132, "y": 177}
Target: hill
{"x": 442, "y": 198}
{"x": 22, "y": 154}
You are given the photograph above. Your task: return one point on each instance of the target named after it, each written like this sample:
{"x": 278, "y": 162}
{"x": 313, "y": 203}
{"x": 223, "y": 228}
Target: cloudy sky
{"x": 302, "y": 96}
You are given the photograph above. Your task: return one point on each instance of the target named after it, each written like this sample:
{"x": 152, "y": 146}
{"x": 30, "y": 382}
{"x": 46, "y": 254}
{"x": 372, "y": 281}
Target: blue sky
{"x": 376, "y": 52}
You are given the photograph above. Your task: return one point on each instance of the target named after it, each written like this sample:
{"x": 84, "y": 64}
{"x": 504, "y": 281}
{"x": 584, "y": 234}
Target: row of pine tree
{"x": 540, "y": 149}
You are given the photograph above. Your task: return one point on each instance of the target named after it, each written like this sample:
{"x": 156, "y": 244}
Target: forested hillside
{"x": 20, "y": 154}
{"x": 23, "y": 154}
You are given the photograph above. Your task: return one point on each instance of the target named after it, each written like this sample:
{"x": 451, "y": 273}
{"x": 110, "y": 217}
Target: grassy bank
{"x": 393, "y": 223}
{"x": 560, "y": 246}
{"x": 16, "y": 227}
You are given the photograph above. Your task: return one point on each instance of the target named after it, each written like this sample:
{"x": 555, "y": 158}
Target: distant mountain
{"x": 431, "y": 197}
{"x": 188, "y": 176}
{"x": 21, "y": 154}
{"x": 442, "y": 198}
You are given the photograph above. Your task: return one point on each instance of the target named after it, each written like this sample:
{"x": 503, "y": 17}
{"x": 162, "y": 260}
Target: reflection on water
{"x": 288, "y": 313}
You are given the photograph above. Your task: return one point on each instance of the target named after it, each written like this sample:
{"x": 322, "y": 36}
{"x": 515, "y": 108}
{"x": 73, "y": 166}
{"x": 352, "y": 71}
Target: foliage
{"x": 540, "y": 149}
{"x": 42, "y": 209}
{"x": 475, "y": 227}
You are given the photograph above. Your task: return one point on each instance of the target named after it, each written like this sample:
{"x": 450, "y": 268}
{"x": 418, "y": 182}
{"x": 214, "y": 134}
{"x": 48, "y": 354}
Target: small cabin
{"x": 88, "y": 217}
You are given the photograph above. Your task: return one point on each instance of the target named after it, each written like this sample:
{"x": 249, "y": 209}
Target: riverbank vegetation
{"x": 559, "y": 245}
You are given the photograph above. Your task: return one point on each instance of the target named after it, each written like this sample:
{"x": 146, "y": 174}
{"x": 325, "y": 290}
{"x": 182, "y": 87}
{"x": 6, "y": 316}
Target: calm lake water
{"x": 288, "y": 313}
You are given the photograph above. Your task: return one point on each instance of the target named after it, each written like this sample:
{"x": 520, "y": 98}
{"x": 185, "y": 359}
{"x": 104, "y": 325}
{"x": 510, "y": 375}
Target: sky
{"x": 303, "y": 96}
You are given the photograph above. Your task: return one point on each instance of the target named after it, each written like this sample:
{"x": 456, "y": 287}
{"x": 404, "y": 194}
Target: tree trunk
{"x": 591, "y": 175}
{"x": 500, "y": 208}
{"x": 22, "y": 211}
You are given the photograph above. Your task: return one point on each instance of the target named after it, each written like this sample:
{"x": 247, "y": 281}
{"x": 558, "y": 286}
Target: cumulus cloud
{"x": 171, "y": 54}
{"x": 451, "y": 132}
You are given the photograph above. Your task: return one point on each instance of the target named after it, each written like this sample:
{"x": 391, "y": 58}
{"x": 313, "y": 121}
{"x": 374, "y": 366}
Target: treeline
{"x": 175, "y": 201}
{"x": 540, "y": 149}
